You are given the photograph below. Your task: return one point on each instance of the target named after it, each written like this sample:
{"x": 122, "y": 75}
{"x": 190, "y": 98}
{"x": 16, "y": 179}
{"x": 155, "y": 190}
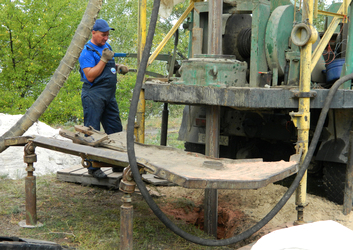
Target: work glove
{"x": 122, "y": 69}
{"x": 107, "y": 55}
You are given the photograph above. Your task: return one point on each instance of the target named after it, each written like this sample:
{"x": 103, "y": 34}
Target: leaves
{"x": 34, "y": 36}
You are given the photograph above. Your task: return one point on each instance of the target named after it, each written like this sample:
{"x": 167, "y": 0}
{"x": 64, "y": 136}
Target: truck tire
{"x": 334, "y": 181}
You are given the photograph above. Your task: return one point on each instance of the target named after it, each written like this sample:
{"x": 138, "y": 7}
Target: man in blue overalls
{"x": 98, "y": 74}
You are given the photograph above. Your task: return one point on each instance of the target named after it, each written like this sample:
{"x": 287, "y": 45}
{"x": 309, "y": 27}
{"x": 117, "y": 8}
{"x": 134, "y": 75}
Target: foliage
{"x": 34, "y": 37}
{"x": 66, "y": 107}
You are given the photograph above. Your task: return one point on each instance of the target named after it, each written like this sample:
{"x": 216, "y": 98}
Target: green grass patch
{"x": 86, "y": 217}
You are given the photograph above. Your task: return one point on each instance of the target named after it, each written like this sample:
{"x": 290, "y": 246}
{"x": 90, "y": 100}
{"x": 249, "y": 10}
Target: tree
{"x": 34, "y": 36}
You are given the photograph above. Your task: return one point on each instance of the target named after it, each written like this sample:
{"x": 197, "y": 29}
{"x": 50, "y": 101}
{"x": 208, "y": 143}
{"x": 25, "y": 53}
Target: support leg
{"x": 127, "y": 185}
{"x": 30, "y": 188}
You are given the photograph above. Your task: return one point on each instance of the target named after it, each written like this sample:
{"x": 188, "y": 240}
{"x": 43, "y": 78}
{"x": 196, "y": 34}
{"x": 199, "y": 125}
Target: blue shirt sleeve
{"x": 89, "y": 58}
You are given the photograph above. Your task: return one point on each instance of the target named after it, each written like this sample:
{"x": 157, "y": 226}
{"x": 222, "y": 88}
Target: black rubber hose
{"x": 138, "y": 179}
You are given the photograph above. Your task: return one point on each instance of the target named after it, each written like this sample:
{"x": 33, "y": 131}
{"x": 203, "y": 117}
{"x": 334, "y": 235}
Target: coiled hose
{"x": 138, "y": 179}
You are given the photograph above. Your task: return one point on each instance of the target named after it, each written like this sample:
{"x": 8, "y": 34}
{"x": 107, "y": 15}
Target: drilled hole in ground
{"x": 230, "y": 222}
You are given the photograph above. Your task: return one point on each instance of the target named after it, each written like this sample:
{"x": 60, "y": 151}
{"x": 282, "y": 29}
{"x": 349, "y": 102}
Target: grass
{"x": 86, "y": 217}
{"x": 153, "y": 131}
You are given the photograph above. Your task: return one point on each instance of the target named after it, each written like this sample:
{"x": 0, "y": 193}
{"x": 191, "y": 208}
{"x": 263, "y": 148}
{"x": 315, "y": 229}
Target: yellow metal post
{"x": 170, "y": 33}
{"x": 140, "y": 114}
{"x": 302, "y": 118}
{"x": 339, "y": 17}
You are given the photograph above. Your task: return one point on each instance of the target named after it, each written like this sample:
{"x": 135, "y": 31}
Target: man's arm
{"x": 92, "y": 73}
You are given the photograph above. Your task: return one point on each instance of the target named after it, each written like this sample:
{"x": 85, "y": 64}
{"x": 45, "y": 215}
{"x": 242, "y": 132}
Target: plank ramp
{"x": 79, "y": 174}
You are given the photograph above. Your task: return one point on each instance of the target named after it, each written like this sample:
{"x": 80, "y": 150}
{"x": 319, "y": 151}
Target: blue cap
{"x": 101, "y": 25}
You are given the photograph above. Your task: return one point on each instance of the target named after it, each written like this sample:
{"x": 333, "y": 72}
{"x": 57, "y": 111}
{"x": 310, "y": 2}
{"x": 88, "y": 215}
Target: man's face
{"x": 99, "y": 38}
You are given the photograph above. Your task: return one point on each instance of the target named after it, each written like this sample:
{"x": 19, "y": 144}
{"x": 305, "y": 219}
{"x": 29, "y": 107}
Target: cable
{"x": 138, "y": 179}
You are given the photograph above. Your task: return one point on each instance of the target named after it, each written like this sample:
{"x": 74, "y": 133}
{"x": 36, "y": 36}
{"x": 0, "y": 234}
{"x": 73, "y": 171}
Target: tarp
{"x": 166, "y": 7}
{"x": 321, "y": 235}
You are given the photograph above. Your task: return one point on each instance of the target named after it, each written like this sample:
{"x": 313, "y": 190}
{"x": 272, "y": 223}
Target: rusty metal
{"x": 300, "y": 215}
{"x": 164, "y": 126}
{"x": 126, "y": 223}
{"x": 213, "y": 116}
{"x": 348, "y": 190}
{"x": 17, "y": 141}
{"x": 30, "y": 185}
{"x": 31, "y": 199}
{"x": 127, "y": 184}
{"x": 240, "y": 97}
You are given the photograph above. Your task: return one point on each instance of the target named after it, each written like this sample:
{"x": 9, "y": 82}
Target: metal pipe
{"x": 164, "y": 127}
{"x": 142, "y": 20}
{"x": 170, "y": 33}
{"x": 141, "y": 108}
{"x": 30, "y": 187}
{"x": 213, "y": 116}
{"x": 31, "y": 199}
{"x": 303, "y": 114}
{"x": 325, "y": 39}
{"x": 126, "y": 223}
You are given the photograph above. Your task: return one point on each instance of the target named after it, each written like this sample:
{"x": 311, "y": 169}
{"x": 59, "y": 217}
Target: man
{"x": 98, "y": 74}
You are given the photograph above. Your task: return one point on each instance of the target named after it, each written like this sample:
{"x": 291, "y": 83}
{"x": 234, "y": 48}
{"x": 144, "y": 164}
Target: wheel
{"x": 334, "y": 181}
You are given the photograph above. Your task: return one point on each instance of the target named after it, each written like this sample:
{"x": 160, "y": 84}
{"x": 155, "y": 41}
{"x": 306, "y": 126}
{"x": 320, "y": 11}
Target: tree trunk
{"x": 60, "y": 75}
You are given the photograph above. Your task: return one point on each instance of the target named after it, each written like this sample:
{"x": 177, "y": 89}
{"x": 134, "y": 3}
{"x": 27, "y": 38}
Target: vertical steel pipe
{"x": 213, "y": 116}
{"x": 30, "y": 187}
{"x": 31, "y": 199}
{"x": 126, "y": 223}
{"x": 164, "y": 127}
{"x": 141, "y": 107}
{"x": 304, "y": 107}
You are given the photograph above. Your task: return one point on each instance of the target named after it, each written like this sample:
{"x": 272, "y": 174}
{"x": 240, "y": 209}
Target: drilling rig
{"x": 256, "y": 80}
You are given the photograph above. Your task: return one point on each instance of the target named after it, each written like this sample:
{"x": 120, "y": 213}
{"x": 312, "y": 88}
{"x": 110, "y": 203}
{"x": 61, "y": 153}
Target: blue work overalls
{"x": 98, "y": 100}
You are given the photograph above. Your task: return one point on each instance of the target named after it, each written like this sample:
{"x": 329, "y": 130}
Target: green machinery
{"x": 258, "y": 84}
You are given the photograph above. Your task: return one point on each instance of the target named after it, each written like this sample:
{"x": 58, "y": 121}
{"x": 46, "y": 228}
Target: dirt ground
{"x": 241, "y": 209}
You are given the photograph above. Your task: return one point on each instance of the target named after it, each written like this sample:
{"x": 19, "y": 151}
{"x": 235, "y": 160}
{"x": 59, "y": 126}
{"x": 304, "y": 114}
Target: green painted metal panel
{"x": 278, "y": 32}
{"x": 208, "y": 70}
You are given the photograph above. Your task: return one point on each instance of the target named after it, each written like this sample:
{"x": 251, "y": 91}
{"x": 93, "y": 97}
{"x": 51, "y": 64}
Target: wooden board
{"x": 189, "y": 170}
{"x": 79, "y": 174}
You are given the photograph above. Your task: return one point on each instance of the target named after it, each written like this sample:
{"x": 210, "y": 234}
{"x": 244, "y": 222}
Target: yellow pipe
{"x": 302, "y": 118}
{"x": 170, "y": 33}
{"x": 316, "y": 7}
{"x": 326, "y": 37}
{"x": 140, "y": 114}
{"x": 327, "y": 13}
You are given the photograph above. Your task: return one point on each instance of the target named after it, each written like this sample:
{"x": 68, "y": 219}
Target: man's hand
{"x": 122, "y": 69}
{"x": 107, "y": 55}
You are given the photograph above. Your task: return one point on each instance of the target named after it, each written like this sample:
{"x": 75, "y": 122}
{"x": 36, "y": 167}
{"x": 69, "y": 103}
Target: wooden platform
{"x": 79, "y": 174}
{"x": 189, "y": 170}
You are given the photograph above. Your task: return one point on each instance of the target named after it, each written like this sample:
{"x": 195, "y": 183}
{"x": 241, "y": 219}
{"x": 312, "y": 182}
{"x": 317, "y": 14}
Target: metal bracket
{"x": 298, "y": 94}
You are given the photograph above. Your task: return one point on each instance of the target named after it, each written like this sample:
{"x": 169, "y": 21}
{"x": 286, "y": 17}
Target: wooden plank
{"x": 70, "y": 169}
{"x": 78, "y": 174}
{"x": 185, "y": 169}
{"x": 156, "y": 181}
